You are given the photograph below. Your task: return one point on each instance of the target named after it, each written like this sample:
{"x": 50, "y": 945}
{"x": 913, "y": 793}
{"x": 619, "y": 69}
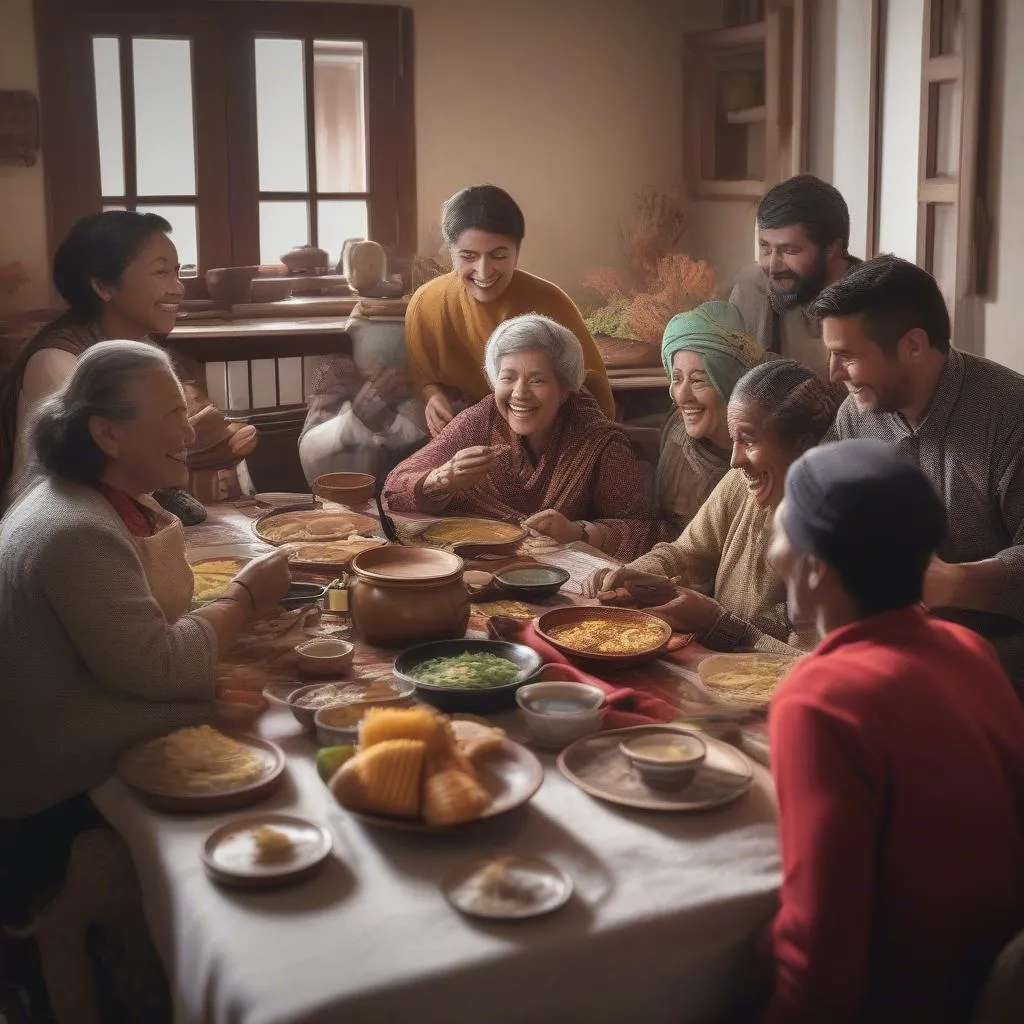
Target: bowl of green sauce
{"x": 468, "y": 675}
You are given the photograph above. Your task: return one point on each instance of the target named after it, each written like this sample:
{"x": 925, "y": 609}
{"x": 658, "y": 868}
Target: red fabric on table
{"x": 626, "y": 705}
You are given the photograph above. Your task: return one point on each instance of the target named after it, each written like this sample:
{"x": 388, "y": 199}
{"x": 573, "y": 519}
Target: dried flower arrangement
{"x": 426, "y": 268}
{"x": 659, "y": 281}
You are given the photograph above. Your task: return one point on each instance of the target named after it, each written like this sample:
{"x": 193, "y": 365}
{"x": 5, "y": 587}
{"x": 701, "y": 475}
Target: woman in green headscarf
{"x": 705, "y": 351}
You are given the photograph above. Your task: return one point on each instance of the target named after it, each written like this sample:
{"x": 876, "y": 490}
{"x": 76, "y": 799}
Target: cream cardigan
{"x": 724, "y": 552}
{"x": 89, "y": 664}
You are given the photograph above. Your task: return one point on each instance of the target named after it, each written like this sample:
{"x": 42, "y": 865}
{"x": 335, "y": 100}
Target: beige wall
{"x": 22, "y": 205}
{"x": 572, "y": 105}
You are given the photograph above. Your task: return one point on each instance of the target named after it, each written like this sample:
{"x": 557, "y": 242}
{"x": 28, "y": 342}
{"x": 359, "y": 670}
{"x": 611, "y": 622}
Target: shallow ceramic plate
{"x": 334, "y": 554}
{"x": 529, "y": 887}
{"x": 197, "y": 802}
{"x": 269, "y": 527}
{"x": 511, "y": 774}
{"x": 734, "y": 692}
{"x": 599, "y": 768}
{"x": 473, "y": 532}
{"x": 230, "y": 854}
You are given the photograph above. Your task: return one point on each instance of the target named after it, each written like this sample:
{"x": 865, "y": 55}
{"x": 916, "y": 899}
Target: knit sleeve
{"x": 771, "y": 634}
{"x": 694, "y": 557}
{"x": 95, "y": 583}
{"x": 422, "y": 339}
{"x": 829, "y": 791}
{"x": 403, "y": 489}
{"x": 621, "y": 500}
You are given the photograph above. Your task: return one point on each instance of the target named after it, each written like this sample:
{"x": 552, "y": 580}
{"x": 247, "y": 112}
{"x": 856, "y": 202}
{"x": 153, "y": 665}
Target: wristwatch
{"x": 586, "y": 529}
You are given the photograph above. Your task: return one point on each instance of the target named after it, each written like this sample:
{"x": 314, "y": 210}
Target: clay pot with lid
{"x": 306, "y": 259}
{"x": 402, "y": 596}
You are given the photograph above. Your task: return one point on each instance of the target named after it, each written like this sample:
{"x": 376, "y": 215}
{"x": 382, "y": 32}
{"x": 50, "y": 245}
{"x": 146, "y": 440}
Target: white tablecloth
{"x": 665, "y": 910}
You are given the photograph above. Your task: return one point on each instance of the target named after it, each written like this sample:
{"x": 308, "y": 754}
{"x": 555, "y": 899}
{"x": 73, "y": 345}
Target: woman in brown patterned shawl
{"x": 538, "y": 451}
{"x": 118, "y": 273}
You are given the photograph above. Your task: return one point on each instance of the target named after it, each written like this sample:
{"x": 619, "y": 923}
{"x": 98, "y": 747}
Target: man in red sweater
{"x": 898, "y": 756}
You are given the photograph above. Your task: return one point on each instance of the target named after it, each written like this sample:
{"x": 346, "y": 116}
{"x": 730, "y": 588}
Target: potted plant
{"x": 659, "y": 282}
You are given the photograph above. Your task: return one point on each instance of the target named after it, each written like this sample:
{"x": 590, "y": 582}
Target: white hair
{"x": 532, "y": 332}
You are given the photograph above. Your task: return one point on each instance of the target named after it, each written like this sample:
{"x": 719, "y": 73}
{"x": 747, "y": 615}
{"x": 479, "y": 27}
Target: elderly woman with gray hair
{"x": 539, "y": 450}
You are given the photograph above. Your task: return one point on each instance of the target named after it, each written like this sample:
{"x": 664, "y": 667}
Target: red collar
{"x": 131, "y": 512}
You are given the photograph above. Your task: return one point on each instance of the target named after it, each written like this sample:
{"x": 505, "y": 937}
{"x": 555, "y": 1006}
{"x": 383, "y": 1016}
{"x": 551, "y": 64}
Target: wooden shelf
{"x": 728, "y": 38}
{"x": 749, "y": 115}
{"x": 743, "y": 189}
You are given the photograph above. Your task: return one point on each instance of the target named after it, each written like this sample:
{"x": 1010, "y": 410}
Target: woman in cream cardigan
{"x": 99, "y": 647}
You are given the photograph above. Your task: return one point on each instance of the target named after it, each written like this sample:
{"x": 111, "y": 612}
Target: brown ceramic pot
{"x": 402, "y": 596}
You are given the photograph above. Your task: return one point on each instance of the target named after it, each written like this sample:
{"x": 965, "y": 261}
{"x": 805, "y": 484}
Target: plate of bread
{"x": 315, "y": 526}
{"x": 420, "y": 771}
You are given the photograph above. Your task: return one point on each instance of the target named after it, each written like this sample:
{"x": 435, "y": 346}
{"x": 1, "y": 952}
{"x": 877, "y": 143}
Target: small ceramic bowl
{"x": 665, "y": 760}
{"x": 532, "y": 581}
{"x": 559, "y": 713}
{"x": 345, "y": 488}
{"x": 339, "y": 724}
{"x": 325, "y": 656}
{"x": 302, "y": 593}
{"x": 304, "y": 715}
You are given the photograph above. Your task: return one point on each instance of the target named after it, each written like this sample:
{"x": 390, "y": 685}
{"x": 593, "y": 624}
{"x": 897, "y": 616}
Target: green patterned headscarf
{"x": 716, "y": 331}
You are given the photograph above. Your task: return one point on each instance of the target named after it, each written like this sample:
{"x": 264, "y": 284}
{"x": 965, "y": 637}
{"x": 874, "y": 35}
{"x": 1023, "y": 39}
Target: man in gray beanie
{"x": 898, "y": 757}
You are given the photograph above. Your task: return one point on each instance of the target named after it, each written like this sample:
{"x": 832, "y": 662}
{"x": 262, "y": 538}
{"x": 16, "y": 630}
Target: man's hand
{"x": 689, "y": 612}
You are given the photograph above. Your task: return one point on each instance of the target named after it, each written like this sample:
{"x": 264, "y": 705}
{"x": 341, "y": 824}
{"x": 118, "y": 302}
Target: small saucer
{"x": 507, "y": 887}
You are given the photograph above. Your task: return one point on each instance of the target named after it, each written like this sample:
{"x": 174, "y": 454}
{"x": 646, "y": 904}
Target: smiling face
{"x": 148, "y": 452}
{"x": 528, "y": 394}
{"x": 797, "y": 269}
{"x": 879, "y": 382}
{"x": 758, "y": 453}
{"x": 146, "y": 298}
{"x": 485, "y": 262}
{"x": 696, "y": 397}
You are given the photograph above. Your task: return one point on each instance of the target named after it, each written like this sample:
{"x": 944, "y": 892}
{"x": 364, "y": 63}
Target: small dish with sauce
{"x": 325, "y": 656}
{"x": 665, "y": 760}
{"x": 559, "y": 713}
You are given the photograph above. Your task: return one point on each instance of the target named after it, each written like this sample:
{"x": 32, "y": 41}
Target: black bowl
{"x": 532, "y": 581}
{"x": 302, "y": 593}
{"x": 453, "y": 698}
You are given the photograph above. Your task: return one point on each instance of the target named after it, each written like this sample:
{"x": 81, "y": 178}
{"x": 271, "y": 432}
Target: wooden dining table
{"x": 661, "y": 925}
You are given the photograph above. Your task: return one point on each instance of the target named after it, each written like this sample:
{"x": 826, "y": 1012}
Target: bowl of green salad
{"x": 468, "y": 675}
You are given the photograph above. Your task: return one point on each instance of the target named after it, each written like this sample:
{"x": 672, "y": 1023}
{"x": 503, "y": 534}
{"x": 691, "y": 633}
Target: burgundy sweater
{"x": 898, "y": 756}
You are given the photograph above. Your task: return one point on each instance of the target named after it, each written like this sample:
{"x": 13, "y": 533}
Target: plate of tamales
{"x": 416, "y": 770}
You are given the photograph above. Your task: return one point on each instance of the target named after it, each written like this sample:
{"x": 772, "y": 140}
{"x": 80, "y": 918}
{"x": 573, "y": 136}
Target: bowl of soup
{"x": 560, "y": 712}
{"x": 665, "y": 758}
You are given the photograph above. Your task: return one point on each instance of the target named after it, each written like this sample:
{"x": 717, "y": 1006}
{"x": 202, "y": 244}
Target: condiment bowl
{"x": 300, "y": 594}
{"x": 532, "y": 581}
{"x": 339, "y": 724}
{"x": 668, "y": 759}
{"x": 305, "y": 715}
{"x": 559, "y": 713}
{"x": 345, "y": 488}
{"x": 325, "y": 656}
{"x": 472, "y": 699}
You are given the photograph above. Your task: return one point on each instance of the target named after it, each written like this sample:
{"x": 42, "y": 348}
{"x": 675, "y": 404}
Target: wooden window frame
{"x": 966, "y": 191}
{"x": 224, "y": 107}
{"x": 783, "y": 35}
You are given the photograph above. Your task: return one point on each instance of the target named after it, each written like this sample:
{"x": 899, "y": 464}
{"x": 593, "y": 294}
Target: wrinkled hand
{"x": 689, "y": 612}
{"x": 374, "y": 406}
{"x": 439, "y": 412}
{"x": 267, "y": 579}
{"x": 549, "y": 523}
{"x": 470, "y": 465}
{"x": 646, "y": 588}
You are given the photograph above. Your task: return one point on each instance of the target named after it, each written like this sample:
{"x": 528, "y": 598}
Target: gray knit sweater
{"x": 88, "y": 663}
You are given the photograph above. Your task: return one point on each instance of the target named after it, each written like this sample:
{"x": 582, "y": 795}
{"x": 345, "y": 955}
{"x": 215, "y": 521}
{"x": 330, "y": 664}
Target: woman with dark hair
{"x": 450, "y": 318}
{"x": 778, "y": 410}
{"x": 100, "y": 648}
{"x": 118, "y": 273}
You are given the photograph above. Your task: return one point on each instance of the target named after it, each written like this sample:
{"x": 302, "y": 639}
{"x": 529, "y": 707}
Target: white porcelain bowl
{"x": 559, "y": 713}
